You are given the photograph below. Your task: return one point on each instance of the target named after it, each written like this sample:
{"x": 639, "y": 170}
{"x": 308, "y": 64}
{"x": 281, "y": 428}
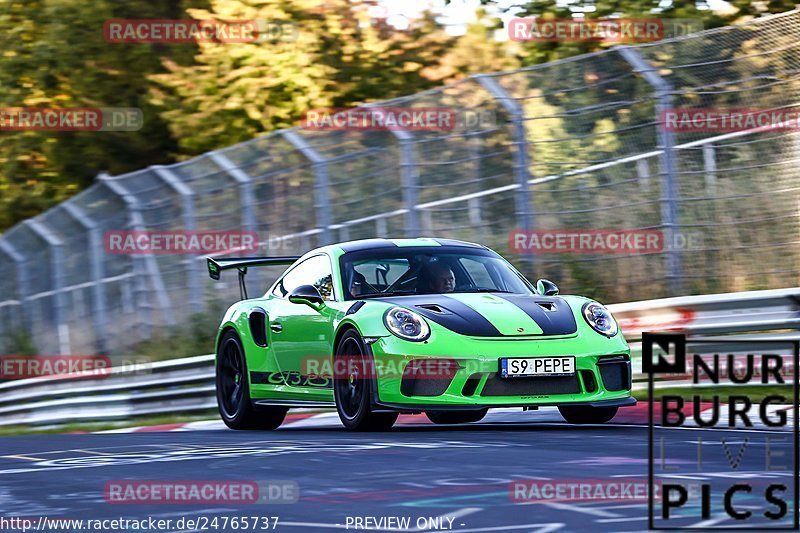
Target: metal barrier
{"x": 187, "y": 385}
{"x": 176, "y": 386}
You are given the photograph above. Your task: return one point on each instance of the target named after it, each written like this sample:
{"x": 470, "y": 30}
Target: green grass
{"x": 195, "y": 337}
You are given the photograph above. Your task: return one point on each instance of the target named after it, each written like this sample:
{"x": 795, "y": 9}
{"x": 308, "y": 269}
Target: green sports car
{"x": 379, "y": 327}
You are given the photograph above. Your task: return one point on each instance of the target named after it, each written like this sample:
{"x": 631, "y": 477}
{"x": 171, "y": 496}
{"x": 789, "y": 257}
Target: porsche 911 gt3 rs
{"x": 382, "y": 326}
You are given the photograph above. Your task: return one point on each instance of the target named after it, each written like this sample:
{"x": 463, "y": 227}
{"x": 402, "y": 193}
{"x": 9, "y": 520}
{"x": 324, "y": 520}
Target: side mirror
{"x": 545, "y": 287}
{"x": 306, "y": 294}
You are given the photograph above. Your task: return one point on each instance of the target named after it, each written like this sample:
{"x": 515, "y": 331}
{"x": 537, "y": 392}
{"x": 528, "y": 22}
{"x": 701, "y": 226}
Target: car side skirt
{"x": 293, "y": 403}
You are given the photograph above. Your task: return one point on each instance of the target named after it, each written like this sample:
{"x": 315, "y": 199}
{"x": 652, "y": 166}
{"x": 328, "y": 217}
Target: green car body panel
{"x": 279, "y": 370}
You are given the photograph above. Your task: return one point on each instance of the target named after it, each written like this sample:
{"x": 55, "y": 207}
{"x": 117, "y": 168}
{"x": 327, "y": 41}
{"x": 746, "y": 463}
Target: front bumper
{"x": 602, "y": 378}
{"x": 381, "y": 406}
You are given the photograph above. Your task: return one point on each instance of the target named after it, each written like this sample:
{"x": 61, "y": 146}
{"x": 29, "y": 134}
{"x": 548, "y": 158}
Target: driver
{"x": 359, "y": 285}
{"x": 442, "y": 277}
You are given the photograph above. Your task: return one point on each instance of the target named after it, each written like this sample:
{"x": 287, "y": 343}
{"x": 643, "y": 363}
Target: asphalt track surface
{"x": 461, "y": 473}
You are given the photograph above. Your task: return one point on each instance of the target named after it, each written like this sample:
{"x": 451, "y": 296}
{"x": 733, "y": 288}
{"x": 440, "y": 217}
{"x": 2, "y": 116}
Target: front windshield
{"x": 427, "y": 270}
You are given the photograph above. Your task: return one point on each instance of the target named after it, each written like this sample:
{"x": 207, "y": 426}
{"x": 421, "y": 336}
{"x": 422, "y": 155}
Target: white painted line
{"x": 710, "y": 522}
{"x": 623, "y": 519}
{"x": 205, "y": 425}
{"x": 581, "y": 509}
{"x": 320, "y": 420}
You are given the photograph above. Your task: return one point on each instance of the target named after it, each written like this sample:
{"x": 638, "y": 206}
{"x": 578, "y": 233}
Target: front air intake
{"x": 589, "y": 383}
{"x": 428, "y": 377}
{"x": 497, "y": 386}
{"x": 615, "y": 371}
{"x": 471, "y": 385}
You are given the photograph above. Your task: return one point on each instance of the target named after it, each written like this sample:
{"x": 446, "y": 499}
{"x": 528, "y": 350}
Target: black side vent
{"x": 258, "y": 326}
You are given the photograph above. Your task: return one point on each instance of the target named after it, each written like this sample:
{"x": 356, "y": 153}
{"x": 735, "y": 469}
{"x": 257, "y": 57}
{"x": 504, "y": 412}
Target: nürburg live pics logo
{"x": 723, "y": 433}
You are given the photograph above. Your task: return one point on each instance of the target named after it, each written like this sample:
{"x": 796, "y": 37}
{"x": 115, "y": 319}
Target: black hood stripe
{"x": 559, "y": 321}
{"x": 458, "y": 316}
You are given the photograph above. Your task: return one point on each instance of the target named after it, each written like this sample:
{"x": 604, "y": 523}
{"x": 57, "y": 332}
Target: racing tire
{"x": 586, "y": 414}
{"x": 353, "y": 388}
{"x": 455, "y": 417}
{"x": 233, "y": 390}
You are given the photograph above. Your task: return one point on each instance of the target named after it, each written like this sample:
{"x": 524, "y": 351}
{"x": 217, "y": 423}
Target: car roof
{"x": 375, "y": 244}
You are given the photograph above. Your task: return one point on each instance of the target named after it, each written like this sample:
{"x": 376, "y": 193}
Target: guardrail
{"x": 187, "y": 385}
{"x": 176, "y": 386}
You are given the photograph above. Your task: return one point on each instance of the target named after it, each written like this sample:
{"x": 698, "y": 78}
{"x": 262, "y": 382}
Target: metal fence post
{"x": 22, "y": 280}
{"x": 410, "y": 177}
{"x": 669, "y": 164}
{"x": 522, "y": 171}
{"x": 322, "y": 204}
{"x": 194, "y": 267}
{"x": 247, "y": 202}
{"x": 710, "y": 164}
{"x": 643, "y": 172}
{"x": 381, "y": 230}
{"x": 57, "y": 282}
{"x": 146, "y": 264}
{"x": 476, "y": 217}
{"x": 97, "y": 272}
{"x": 245, "y": 183}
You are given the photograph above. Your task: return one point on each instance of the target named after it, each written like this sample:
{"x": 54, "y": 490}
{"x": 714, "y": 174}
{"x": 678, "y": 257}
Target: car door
{"x": 302, "y": 336}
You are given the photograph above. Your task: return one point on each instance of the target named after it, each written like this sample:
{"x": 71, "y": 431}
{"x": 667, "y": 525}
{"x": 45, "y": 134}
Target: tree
{"x": 698, "y": 11}
{"x": 337, "y": 57}
{"x": 479, "y": 51}
{"x": 55, "y": 56}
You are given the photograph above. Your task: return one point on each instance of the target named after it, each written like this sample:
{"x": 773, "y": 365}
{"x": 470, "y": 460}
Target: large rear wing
{"x": 216, "y": 266}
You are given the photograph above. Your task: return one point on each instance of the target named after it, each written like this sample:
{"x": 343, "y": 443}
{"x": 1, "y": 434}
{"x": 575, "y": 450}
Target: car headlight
{"x": 406, "y": 324}
{"x": 600, "y": 319}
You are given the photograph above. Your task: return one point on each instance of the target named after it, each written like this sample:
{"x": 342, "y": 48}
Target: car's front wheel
{"x": 586, "y": 414}
{"x": 455, "y": 417}
{"x": 352, "y": 387}
{"x": 233, "y": 390}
